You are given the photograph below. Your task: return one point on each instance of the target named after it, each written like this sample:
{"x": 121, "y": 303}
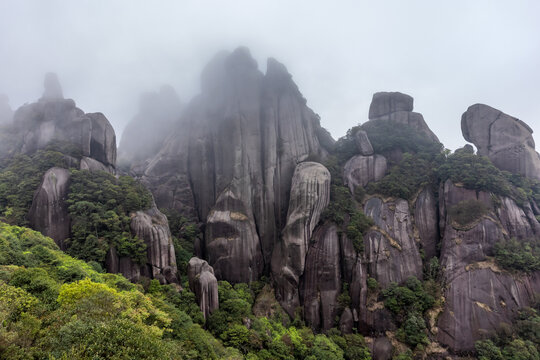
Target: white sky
{"x": 447, "y": 55}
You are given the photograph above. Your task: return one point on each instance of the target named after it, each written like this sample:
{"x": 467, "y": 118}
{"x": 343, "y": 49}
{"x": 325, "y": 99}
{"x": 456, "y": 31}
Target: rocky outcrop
{"x": 152, "y": 226}
{"x": 144, "y": 134}
{"x": 321, "y": 282}
{"x": 362, "y": 142}
{"x": 204, "y": 284}
{"x": 391, "y": 251}
{"x": 310, "y": 194}
{"x": 49, "y": 213}
{"x": 90, "y": 164}
{"x": 505, "y": 140}
{"x": 426, "y": 222}
{"x": 54, "y": 119}
{"x": 237, "y": 143}
{"x": 479, "y": 295}
{"x": 360, "y": 170}
{"x": 397, "y": 107}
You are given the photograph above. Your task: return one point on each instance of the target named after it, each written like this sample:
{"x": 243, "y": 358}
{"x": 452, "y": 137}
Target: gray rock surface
{"x": 243, "y": 135}
{"x": 310, "y": 194}
{"x": 204, "y": 284}
{"x": 87, "y": 163}
{"x": 391, "y": 251}
{"x": 426, "y": 221}
{"x": 479, "y": 295}
{"x": 362, "y": 143}
{"x": 60, "y": 121}
{"x": 152, "y": 226}
{"x": 48, "y": 213}
{"x": 397, "y": 108}
{"x": 360, "y": 170}
{"x": 505, "y": 140}
{"x": 321, "y": 282}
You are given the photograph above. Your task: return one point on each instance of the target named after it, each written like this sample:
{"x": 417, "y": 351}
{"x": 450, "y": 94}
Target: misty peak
{"x": 6, "y": 114}
{"x": 53, "y": 89}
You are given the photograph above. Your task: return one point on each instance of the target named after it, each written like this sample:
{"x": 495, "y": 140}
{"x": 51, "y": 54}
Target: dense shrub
{"x": 467, "y": 211}
{"x": 523, "y": 255}
{"x": 99, "y": 206}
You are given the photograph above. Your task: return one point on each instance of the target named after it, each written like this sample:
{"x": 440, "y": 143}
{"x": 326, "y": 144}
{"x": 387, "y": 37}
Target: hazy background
{"x": 447, "y": 56}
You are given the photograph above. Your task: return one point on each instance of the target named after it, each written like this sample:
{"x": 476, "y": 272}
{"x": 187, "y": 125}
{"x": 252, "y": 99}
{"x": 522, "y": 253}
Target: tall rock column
{"x": 310, "y": 194}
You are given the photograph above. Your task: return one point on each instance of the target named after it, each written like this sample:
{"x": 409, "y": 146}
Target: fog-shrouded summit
{"x": 144, "y": 134}
{"x": 230, "y": 162}
{"x": 6, "y": 113}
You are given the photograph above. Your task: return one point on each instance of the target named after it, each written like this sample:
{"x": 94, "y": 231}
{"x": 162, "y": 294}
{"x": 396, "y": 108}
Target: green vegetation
{"x": 343, "y": 209}
{"x": 19, "y": 179}
{"x": 518, "y": 341}
{"x": 467, "y": 212}
{"x": 386, "y": 136}
{"x": 185, "y": 233}
{"x": 522, "y": 255}
{"x": 53, "y": 306}
{"x": 408, "y": 304}
{"x": 99, "y": 206}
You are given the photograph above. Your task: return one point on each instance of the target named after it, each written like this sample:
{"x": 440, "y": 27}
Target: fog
{"x": 447, "y": 56}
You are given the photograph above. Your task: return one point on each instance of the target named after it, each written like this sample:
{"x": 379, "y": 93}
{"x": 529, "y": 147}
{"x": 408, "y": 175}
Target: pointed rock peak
{"x": 276, "y": 69}
{"x": 53, "y": 89}
{"x": 6, "y": 113}
{"x": 385, "y": 103}
{"x": 241, "y": 58}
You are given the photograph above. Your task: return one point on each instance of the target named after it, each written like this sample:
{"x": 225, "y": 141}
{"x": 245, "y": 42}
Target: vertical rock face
{"x": 237, "y": 144}
{"x": 310, "y": 194}
{"x": 321, "y": 281}
{"x": 49, "y": 213}
{"x": 152, "y": 226}
{"x": 53, "y": 89}
{"x": 479, "y": 295}
{"x": 204, "y": 284}
{"x": 505, "y": 140}
{"x": 144, "y": 134}
{"x": 392, "y": 254}
{"x": 44, "y": 122}
{"x": 360, "y": 170}
{"x": 397, "y": 107}
{"x": 426, "y": 221}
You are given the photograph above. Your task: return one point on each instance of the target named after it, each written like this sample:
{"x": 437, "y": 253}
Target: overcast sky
{"x": 447, "y": 55}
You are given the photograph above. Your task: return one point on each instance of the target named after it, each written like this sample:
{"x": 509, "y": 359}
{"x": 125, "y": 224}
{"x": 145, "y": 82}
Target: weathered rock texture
{"x": 60, "y": 121}
{"x": 152, "y": 227}
{"x": 479, "y": 295}
{"x": 321, "y": 281}
{"x": 310, "y": 194}
{"x": 204, "y": 284}
{"x": 49, "y": 213}
{"x": 144, "y": 134}
{"x": 391, "y": 252}
{"x": 398, "y": 108}
{"x": 235, "y": 151}
{"x": 360, "y": 170}
{"x": 505, "y": 140}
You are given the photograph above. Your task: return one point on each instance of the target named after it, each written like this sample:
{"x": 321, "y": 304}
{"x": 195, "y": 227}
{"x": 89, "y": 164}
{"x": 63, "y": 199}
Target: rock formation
{"x": 505, "y": 140}
{"x": 310, "y": 194}
{"x": 480, "y": 295}
{"x": 144, "y": 134}
{"x": 398, "y": 108}
{"x": 204, "y": 284}
{"x": 234, "y": 154}
{"x": 49, "y": 213}
{"x": 360, "y": 170}
{"x": 53, "y": 89}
